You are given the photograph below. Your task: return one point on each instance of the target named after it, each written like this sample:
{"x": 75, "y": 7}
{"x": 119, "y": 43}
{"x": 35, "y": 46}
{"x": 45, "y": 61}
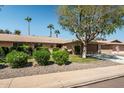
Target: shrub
{"x": 42, "y": 48}
{"x": 56, "y": 49}
{"x": 1, "y": 52}
{"x": 42, "y": 56}
{"x": 17, "y": 59}
{"x": 25, "y": 48}
{"x": 6, "y": 50}
{"x": 60, "y": 57}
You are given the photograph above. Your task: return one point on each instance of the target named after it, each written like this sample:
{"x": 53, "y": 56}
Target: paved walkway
{"x": 64, "y": 79}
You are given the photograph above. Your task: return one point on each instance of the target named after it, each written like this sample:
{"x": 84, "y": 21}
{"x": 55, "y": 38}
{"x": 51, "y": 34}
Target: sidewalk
{"x": 64, "y": 79}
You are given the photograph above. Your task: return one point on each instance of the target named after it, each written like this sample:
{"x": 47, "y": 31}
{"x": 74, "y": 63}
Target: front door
{"x": 77, "y": 50}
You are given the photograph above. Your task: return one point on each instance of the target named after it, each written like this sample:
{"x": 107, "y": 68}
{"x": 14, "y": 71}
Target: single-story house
{"x": 74, "y": 46}
{"x": 97, "y": 46}
{"x": 8, "y": 40}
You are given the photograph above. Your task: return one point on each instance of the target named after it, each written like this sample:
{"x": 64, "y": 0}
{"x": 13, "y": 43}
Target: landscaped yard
{"x": 21, "y": 62}
{"x": 77, "y": 58}
{"x": 77, "y": 64}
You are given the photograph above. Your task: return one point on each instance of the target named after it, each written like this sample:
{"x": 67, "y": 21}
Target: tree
{"x": 1, "y": 31}
{"x": 17, "y": 32}
{"x": 89, "y": 22}
{"x": 6, "y": 31}
{"x": 57, "y": 32}
{"x": 28, "y": 19}
{"x": 51, "y": 27}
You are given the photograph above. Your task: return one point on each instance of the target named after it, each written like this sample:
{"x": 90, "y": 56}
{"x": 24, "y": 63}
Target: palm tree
{"x": 17, "y": 32}
{"x": 57, "y": 32}
{"x": 51, "y": 27}
{"x": 28, "y": 19}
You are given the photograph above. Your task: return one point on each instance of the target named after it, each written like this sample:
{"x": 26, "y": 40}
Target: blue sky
{"x": 12, "y": 17}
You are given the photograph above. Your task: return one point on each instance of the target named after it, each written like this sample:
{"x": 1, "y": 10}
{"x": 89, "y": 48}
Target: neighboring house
{"x": 97, "y": 46}
{"x": 7, "y": 40}
{"x": 74, "y": 47}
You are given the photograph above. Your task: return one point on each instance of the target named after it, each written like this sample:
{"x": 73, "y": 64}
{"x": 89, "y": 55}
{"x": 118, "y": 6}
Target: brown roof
{"x": 113, "y": 42}
{"x": 33, "y": 39}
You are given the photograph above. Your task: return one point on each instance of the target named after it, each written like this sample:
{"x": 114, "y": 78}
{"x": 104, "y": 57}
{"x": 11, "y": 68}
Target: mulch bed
{"x": 8, "y": 72}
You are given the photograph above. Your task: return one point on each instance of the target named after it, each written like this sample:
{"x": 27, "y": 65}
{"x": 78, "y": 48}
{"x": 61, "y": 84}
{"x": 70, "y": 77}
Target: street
{"x": 114, "y": 83}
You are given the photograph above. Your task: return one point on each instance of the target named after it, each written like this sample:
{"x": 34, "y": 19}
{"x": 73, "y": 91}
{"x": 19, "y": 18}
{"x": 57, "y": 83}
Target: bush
{"x": 42, "y": 56}
{"x": 60, "y": 57}
{"x": 42, "y": 48}
{"x": 6, "y": 50}
{"x": 2, "y": 54}
{"x": 25, "y": 48}
{"x": 56, "y": 49}
{"x": 17, "y": 59}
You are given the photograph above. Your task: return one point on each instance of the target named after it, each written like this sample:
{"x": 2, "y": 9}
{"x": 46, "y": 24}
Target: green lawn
{"x": 76, "y": 58}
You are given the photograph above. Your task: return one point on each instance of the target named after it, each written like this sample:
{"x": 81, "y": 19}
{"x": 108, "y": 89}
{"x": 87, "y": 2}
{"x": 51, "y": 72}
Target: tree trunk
{"x": 50, "y": 33}
{"x": 84, "y": 50}
{"x": 57, "y": 35}
{"x": 29, "y": 28}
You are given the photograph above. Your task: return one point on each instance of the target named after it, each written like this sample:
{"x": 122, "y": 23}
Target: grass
{"x": 76, "y": 58}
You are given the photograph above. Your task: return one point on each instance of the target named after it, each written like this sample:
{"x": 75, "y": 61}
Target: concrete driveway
{"x": 113, "y": 58}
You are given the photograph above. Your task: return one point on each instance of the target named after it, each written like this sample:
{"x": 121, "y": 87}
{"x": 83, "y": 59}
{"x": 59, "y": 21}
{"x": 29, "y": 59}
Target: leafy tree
{"x": 51, "y": 27}
{"x": 28, "y": 19}
{"x": 1, "y": 31}
{"x": 17, "y": 32}
{"x": 57, "y": 32}
{"x": 89, "y": 22}
{"x": 6, "y": 31}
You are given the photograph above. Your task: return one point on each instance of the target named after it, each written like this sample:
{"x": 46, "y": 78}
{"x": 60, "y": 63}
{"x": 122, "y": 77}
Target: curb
{"x": 71, "y": 79}
{"x": 96, "y": 81}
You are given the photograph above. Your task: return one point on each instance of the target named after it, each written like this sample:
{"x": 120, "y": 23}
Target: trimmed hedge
{"x": 42, "y": 56}
{"x": 25, "y": 48}
{"x": 60, "y": 57}
{"x": 56, "y": 49}
{"x": 42, "y": 48}
{"x": 17, "y": 59}
{"x": 2, "y": 54}
{"x": 6, "y": 50}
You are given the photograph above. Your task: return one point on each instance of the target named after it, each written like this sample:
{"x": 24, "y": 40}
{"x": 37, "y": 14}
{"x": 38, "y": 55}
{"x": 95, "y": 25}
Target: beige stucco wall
{"x": 106, "y": 49}
{"x": 112, "y": 49}
{"x": 70, "y": 46}
{"x": 91, "y": 48}
{"x": 6, "y": 44}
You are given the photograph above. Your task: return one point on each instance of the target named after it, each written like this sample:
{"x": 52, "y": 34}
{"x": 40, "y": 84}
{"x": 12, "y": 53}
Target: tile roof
{"x": 33, "y": 39}
{"x": 113, "y": 42}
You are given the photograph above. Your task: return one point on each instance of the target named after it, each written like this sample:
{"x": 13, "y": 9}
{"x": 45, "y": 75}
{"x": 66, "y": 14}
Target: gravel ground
{"x": 7, "y": 72}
